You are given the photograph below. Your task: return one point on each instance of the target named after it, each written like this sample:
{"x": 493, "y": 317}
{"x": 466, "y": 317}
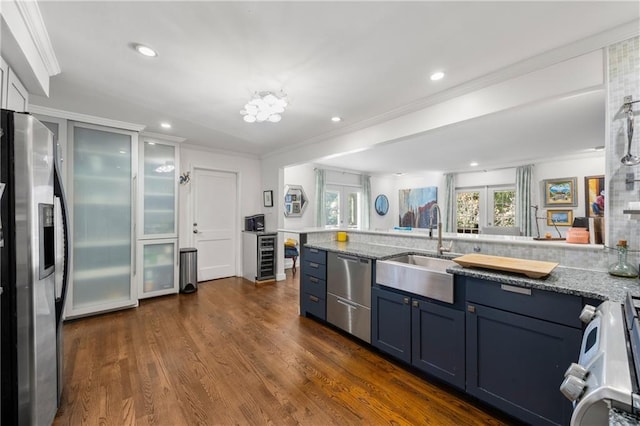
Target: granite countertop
{"x": 371, "y": 251}
{"x": 580, "y": 282}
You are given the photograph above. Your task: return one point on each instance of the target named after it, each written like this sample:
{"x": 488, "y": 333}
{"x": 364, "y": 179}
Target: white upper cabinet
{"x": 13, "y": 94}
{"x": 4, "y": 81}
{"x": 17, "y": 95}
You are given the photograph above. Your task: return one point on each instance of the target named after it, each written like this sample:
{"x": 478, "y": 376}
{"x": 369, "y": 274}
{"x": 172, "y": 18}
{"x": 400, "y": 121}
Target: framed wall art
{"x": 415, "y": 206}
{"x": 267, "y": 198}
{"x": 594, "y": 196}
{"x": 560, "y": 192}
{"x": 560, "y": 217}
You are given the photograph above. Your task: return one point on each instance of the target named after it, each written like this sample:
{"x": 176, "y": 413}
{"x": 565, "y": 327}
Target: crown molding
{"x": 85, "y": 118}
{"x": 32, "y": 17}
{"x": 230, "y": 153}
{"x": 170, "y": 138}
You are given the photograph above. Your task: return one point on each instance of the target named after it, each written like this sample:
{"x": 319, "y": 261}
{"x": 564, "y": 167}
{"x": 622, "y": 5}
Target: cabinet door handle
{"x": 314, "y": 299}
{"x": 514, "y": 289}
{"x": 314, "y": 280}
{"x": 313, "y": 265}
{"x": 312, "y": 250}
{"x": 405, "y": 300}
{"x": 416, "y": 304}
{"x": 471, "y": 308}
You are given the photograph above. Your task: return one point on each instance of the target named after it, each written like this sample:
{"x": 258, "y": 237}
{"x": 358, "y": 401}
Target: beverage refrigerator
{"x": 33, "y": 276}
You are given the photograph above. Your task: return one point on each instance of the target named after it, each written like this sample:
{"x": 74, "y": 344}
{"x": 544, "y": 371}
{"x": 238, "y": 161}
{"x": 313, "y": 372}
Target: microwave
{"x": 254, "y": 223}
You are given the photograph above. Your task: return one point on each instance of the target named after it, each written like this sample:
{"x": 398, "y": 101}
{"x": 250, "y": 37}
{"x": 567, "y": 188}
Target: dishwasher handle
{"x": 354, "y": 259}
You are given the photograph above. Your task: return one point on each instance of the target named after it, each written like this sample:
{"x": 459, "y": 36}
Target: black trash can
{"x": 188, "y": 270}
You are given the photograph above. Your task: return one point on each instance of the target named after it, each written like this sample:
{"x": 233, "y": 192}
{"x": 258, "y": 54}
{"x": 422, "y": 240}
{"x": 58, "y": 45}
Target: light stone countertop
{"x": 579, "y": 282}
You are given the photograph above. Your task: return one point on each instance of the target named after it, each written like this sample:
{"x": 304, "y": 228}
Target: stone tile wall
{"x": 623, "y": 80}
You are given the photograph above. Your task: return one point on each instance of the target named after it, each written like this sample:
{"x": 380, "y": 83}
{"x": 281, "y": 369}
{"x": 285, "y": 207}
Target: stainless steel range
{"x": 604, "y": 382}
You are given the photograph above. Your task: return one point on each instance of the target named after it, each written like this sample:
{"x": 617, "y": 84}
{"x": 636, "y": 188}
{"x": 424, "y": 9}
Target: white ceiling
{"x": 358, "y": 60}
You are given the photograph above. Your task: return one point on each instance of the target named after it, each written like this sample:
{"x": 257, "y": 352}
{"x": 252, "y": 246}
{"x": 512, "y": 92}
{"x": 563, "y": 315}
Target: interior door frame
{"x": 236, "y": 223}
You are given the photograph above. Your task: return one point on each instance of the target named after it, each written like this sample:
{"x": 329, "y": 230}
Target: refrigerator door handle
{"x": 58, "y": 191}
{"x": 2, "y": 186}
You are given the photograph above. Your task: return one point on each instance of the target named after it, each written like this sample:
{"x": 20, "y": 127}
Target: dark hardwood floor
{"x": 236, "y": 353}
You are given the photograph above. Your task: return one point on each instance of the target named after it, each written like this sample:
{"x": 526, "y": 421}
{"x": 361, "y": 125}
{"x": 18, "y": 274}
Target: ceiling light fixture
{"x": 437, "y": 76}
{"x": 473, "y": 164}
{"x": 165, "y": 125}
{"x": 265, "y": 106}
{"x": 336, "y": 119}
{"x": 145, "y": 50}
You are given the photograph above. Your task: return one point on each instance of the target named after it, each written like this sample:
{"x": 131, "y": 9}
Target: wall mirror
{"x": 295, "y": 200}
{"x": 382, "y": 204}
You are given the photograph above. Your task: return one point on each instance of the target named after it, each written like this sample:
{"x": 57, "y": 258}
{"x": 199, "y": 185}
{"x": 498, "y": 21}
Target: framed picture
{"x": 267, "y": 198}
{"x": 560, "y": 192}
{"x": 560, "y": 217}
{"x": 295, "y": 208}
{"x": 594, "y": 196}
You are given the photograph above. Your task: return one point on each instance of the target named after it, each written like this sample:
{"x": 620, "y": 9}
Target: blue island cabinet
{"x": 313, "y": 283}
{"x": 421, "y": 332}
{"x": 519, "y": 342}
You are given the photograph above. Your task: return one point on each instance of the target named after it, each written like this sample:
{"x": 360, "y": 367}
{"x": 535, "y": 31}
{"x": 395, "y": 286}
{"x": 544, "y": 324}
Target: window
{"x": 487, "y": 206}
{"x": 504, "y": 207}
{"x": 342, "y": 206}
{"x": 468, "y": 211}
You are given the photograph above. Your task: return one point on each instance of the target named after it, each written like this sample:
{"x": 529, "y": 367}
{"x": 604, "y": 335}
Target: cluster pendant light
{"x": 264, "y": 106}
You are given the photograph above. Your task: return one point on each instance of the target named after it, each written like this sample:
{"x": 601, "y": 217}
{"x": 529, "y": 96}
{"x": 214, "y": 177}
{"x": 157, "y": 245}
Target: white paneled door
{"x": 214, "y": 223}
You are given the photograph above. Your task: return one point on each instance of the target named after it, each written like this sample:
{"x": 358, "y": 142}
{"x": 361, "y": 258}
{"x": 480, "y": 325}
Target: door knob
{"x": 195, "y": 231}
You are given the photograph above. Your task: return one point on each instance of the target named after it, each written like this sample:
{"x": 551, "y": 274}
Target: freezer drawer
{"x": 351, "y": 317}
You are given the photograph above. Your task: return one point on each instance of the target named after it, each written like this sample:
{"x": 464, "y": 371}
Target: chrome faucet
{"x": 441, "y": 248}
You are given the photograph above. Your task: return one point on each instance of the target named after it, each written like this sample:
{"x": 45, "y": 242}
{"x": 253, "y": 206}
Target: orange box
{"x": 578, "y": 236}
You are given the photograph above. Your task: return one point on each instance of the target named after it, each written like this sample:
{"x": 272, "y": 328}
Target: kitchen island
{"x": 506, "y": 339}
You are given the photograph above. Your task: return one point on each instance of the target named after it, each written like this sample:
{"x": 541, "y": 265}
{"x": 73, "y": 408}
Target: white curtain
{"x": 320, "y": 211}
{"x": 365, "y": 180}
{"x": 524, "y": 216}
{"x": 449, "y": 207}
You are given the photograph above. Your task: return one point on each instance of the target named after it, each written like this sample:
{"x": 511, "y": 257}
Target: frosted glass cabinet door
{"x": 159, "y": 189}
{"x": 159, "y": 267}
{"x": 102, "y": 211}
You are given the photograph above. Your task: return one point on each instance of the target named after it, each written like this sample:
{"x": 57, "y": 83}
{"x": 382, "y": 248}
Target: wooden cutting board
{"x": 530, "y": 268}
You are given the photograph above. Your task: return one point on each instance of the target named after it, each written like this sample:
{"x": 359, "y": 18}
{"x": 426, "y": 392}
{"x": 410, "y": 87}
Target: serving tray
{"x": 530, "y": 268}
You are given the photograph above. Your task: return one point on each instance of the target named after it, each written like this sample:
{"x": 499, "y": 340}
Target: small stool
{"x": 291, "y": 252}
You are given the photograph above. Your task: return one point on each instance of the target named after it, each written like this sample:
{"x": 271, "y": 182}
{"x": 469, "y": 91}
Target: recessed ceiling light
{"x": 399, "y": 174}
{"x": 437, "y": 76}
{"x": 336, "y": 119}
{"x": 165, "y": 125}
{"x": 473, "y": 163}
{"x": 145, "y": 50}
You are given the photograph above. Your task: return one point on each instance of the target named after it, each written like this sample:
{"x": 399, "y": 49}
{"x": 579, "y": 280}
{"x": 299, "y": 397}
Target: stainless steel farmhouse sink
{"x": 417, "y": 274}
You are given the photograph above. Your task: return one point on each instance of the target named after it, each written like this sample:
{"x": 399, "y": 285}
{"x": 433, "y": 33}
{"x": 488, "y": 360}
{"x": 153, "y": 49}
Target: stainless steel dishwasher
{"x": 349, "y": 294}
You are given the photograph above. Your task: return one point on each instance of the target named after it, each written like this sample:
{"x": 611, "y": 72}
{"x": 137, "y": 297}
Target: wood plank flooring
{"x": 236, "y": 353}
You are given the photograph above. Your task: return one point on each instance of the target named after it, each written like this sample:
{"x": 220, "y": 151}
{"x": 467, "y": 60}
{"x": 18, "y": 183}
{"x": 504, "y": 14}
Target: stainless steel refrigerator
{"x": 34, "y": 247}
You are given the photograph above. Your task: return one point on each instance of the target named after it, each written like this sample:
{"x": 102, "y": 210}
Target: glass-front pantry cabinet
{"x": 157, "y": 224}
{"x": 103, "y": 164}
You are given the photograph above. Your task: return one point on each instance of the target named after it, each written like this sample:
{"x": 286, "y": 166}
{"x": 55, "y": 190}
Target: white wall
{"x": 249, "y": 190}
